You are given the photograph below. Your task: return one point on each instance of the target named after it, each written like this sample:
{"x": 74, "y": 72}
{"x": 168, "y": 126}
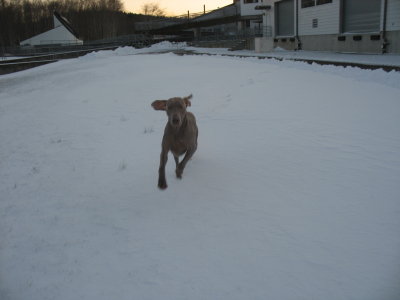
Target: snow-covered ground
{"x": 294, "y": 192}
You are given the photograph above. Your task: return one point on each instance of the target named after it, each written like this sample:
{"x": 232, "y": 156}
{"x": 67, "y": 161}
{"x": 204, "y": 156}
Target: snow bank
{"x": 293, "y": 193}
{"x": 280, "y": 53}
{"x": 164, "y": 46}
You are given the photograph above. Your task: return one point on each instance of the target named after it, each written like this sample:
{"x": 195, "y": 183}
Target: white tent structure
{"x": 61, "y": 34}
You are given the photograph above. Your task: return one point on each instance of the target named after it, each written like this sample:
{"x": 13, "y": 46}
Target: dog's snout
{"x": 175, "y": 120}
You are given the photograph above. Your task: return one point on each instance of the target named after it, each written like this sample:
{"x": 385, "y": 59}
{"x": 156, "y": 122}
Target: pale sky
{"x": 176, "y": 7}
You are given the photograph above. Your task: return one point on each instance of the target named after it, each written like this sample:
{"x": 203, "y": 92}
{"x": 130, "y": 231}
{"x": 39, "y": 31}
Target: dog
{"x": 180, "y": 135}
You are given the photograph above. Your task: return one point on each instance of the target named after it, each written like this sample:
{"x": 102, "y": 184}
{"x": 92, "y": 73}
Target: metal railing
{"x": 267, "y": 31}
{"x": 230, "y": 35}
{"x": 136, "y": 40}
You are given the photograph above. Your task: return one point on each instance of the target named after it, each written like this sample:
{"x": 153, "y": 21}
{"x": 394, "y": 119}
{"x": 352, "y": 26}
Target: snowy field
{"x": 294, "y": 192}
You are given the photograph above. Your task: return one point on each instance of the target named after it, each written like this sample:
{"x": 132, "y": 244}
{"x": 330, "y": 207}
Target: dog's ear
{"x": 159, "y": 105}
{"x": 186, "y": 100}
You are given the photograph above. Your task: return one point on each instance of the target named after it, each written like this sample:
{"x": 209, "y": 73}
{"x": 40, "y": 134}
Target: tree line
{"x": 91, "y": 19}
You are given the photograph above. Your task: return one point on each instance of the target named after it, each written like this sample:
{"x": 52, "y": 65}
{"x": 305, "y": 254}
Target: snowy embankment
{"x": 322, "y": 56}
{"x": 293, "y": 193}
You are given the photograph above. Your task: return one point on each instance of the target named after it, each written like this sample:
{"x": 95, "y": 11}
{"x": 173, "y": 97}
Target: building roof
{"x": 66, "y": 24}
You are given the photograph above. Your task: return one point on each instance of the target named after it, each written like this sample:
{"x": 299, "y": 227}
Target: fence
{"x": 136, "y": 40}
{"x": 233, "y": 34}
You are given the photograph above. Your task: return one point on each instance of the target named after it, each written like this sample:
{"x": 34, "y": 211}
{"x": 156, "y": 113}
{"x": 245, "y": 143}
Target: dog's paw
{"x": 179, "y": 172}
{"x": 162, "y": 184}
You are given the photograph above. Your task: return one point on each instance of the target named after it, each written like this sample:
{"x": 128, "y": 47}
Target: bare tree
{"x": 153, "y": 9}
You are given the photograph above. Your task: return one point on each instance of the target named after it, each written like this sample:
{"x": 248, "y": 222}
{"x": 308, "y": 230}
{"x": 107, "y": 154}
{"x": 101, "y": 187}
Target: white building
{"x": 61, "y": 34}
{"x": 362, "y": 26}
{"x": 250, "y": 17}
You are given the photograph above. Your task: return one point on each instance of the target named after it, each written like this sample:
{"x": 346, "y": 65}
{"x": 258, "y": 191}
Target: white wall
{"x": 393, "y": 15}
{"x": 59, "y": 35}
{"x": 248, "y": 9}
{"x": 56, "y": 22}
{"x": 328, "y": 16}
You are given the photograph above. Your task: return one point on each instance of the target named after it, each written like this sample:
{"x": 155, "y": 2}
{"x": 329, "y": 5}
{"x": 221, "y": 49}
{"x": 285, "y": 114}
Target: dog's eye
{"x": 175, "y": 106}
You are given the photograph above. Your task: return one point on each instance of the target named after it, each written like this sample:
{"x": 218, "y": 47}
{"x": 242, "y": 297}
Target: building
{"x": 62, "y": 34}
{"x": 360, "y": 26}
{"x": 251, "y": 18}
{"x": 217, "y": 23}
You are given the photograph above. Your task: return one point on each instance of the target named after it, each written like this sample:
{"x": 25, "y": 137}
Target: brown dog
{"x": 180, "y": 135}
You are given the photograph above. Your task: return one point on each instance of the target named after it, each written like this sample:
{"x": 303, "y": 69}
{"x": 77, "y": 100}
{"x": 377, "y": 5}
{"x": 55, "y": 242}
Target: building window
{"x": 361, "y": 16}
{"x": 250, "y": 1}
{"x": 307, "y": 3}
{"x": 310, "y": 3}
{"x": 319, "y": 2}
{"x": 284, "y": 18}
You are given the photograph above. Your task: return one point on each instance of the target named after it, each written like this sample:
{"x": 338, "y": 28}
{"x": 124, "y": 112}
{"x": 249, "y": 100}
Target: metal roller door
{"x": 284, "y": 18}
{"x": 361, "y": 16}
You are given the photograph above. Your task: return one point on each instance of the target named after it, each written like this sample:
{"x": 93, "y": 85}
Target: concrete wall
{"x": 369, "y": 43}
{"x": 263, "y": 44}
{"x": 393, "y": 38}
{"x": 330, "y": 42}
{"x": 286, "y": 43}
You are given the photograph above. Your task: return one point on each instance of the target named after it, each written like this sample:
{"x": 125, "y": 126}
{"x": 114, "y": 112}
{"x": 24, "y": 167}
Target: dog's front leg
{"x": 182, "y": 164}
{"x": 162, "y": 183}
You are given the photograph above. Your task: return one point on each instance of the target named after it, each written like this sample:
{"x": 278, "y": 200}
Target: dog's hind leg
{"x": 176, "y": 160}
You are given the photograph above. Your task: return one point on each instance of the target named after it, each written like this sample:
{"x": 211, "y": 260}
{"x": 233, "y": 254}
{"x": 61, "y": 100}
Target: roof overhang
{"x": 262, "y": 7}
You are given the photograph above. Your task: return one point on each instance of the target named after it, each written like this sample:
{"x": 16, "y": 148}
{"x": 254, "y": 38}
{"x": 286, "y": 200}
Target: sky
{"x": 176, "y": 7}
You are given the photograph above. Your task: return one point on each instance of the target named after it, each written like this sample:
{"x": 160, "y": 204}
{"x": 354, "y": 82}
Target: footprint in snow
{"x": 148, "y": 130}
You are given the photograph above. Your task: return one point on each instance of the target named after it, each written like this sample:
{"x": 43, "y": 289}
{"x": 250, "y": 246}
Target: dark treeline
{"x": 92, "y": 19}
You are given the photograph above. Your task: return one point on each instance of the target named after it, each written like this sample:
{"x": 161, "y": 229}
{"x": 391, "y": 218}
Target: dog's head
{"x": 175, "y": 108}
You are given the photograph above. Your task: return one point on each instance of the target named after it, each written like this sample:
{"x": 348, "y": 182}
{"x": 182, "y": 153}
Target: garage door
{"x": 284, "y": 16}
{"x": 361, "y": 16}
